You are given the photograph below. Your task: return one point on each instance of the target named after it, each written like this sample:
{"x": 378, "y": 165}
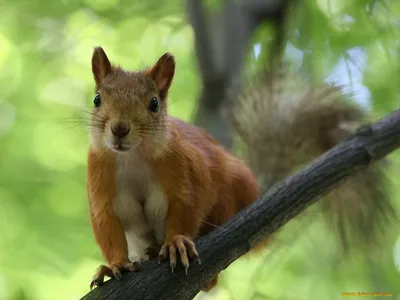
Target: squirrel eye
{"x": 97, "y": 100}
{"x": 153, "y": 105}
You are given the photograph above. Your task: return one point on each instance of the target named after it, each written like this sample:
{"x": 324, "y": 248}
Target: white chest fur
{"x": 141, "y": 206}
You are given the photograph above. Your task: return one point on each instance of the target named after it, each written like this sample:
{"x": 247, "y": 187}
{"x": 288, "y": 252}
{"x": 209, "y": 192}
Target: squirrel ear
{"x": 101, "y": 66}
{"x": 163, "y": 73}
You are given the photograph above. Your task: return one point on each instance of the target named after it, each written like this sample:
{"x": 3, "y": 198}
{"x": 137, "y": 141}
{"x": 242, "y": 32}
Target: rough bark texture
{"x": 275, "y": 208}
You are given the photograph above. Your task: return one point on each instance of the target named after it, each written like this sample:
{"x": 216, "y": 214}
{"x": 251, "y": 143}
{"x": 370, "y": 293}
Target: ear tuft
{"x": 101, "y": 66}
{"x": 163, "y": 73}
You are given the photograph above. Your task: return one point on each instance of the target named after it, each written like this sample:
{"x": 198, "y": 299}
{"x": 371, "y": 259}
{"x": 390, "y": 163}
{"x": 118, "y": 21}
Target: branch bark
{"x": 276, "y": 207}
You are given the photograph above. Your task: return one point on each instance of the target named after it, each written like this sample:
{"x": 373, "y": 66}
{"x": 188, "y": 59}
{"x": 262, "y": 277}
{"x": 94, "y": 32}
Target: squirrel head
{"x": 130, "y": 108}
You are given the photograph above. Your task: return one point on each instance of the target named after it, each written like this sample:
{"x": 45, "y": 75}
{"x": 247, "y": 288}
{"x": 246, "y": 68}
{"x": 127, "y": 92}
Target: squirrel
{"x": 154, "y": 182}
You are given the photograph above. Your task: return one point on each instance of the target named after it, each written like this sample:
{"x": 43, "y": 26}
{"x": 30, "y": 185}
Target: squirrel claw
{"x": 117, "y": 274}
{"x": 94, "y": 283}
{"x": 98, "y": 278}
{"x": 115, "y": 271}
{"x": 186, "y": 249}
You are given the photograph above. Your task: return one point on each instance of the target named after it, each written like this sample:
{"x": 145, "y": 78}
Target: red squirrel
{"x": 154, "y": 181}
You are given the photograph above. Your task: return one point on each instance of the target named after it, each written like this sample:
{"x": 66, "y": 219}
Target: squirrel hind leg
{"x": 210, "y": 285}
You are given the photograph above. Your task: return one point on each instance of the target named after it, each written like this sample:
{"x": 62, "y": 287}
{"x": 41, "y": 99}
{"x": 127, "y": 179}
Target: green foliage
{"x": 47, "y": 250}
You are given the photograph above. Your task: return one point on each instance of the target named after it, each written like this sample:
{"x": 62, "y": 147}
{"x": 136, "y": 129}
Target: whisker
{"x": 81, "y": 123}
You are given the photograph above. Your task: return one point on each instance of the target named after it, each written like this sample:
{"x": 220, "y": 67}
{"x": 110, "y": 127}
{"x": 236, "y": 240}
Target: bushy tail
{"x": 285, "y": 124}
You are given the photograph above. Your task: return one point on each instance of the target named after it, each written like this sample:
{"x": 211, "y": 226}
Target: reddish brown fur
{"x": 204, "y": 184}
{"x": 108, "y": 231}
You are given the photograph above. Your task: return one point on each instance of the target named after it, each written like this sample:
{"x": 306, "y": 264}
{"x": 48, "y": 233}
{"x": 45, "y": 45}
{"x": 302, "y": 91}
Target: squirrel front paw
{"x": 186, "y": 250}
{"x": 114, "y": 271}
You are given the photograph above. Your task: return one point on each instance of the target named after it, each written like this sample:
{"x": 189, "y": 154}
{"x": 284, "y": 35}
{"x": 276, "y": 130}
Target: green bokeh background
{"x": 47, "y": 250}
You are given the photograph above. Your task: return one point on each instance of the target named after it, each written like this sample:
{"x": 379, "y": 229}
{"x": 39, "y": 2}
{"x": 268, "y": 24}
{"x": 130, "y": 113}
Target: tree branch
{"x": 275, "y": 208}
{"x": 221, "y": 43}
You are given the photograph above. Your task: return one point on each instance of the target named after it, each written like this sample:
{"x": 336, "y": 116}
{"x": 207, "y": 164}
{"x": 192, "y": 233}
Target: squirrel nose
{"x": 120, "y": 129}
